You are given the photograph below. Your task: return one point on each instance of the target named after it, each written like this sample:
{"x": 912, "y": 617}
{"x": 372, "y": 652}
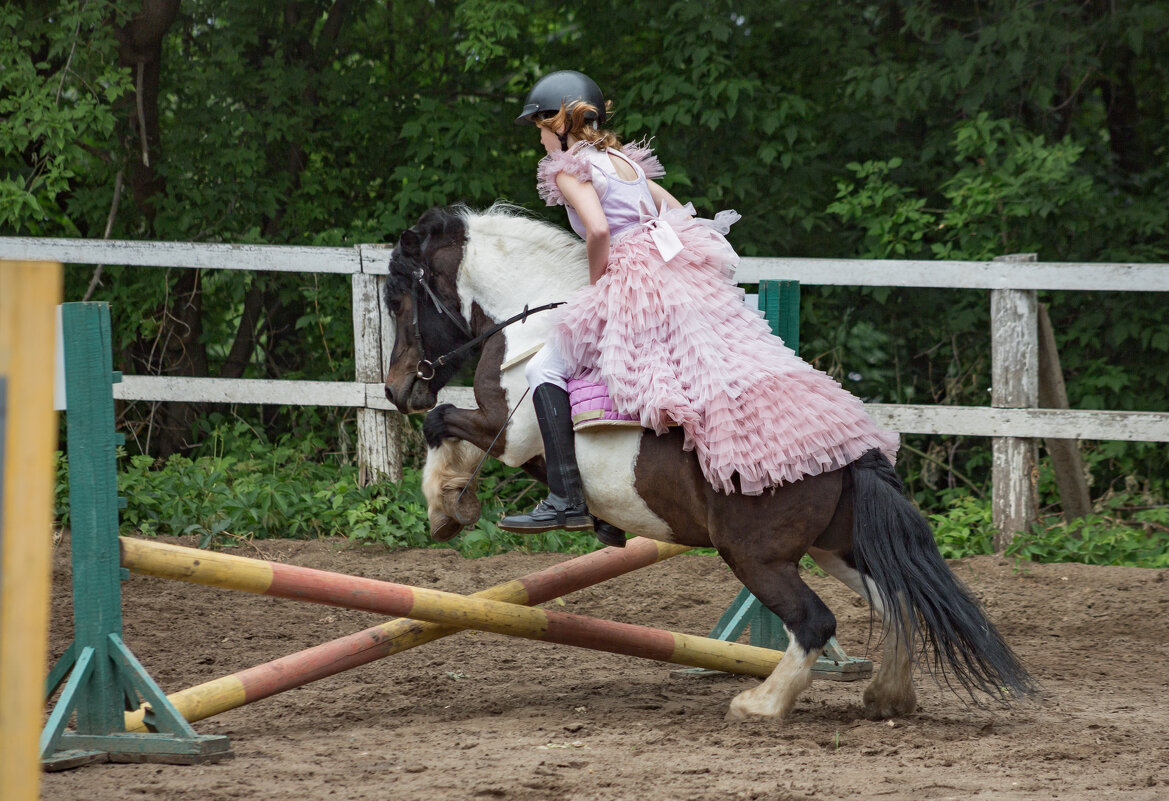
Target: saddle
{"x": 592, "y": 407}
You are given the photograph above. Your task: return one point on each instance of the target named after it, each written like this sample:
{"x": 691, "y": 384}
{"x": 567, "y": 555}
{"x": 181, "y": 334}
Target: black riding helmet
{"x": 562, "y": 88}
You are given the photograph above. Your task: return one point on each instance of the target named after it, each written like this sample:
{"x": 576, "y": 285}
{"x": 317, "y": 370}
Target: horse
{"x": 461, "y": 280}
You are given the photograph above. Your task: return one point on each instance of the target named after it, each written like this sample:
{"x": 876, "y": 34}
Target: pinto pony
{"x": 457, "y": 274}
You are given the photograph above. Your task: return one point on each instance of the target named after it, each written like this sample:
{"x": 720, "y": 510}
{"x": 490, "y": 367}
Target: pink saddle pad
{"x": 591, "y": 404}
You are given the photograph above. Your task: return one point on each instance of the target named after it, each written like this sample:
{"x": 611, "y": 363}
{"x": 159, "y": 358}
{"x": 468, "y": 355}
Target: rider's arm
{"x": 583, "y": 199}
{"x": 661, "y": 195}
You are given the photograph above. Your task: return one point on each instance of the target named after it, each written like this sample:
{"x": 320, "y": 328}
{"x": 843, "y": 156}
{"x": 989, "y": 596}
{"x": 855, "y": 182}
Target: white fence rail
{"x": 1011, "y": 419}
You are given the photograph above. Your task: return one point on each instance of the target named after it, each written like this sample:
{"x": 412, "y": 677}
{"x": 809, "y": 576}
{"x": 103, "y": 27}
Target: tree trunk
{"x": 140, "y": 50}
{"x": 178, "y": 349}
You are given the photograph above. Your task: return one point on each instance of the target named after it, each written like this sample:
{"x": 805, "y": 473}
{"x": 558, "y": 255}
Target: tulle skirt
{"x": 675, "y": 344}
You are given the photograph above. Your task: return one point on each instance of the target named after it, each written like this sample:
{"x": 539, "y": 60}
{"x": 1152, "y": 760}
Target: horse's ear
{"x": 409, "y": 242}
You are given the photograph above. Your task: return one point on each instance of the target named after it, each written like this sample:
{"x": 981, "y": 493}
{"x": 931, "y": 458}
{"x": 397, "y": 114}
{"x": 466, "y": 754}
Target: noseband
{"x": 426, "y": 368}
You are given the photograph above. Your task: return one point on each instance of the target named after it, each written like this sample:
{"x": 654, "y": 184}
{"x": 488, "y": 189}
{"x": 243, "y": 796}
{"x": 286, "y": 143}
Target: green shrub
{"x": 1120, "y": 533}
{"x": 292, "y": 488}
{"x": 965, "y": 528}
{"x": 281, "y": 490}
{"x": 1125, "y": 530}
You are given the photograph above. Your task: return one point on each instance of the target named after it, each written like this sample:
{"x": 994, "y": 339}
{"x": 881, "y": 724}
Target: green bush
{"x": 283, "y": 489}
{"x": 1120, "y": 533}
{"x": 239, "y": 486}
{"x": 965, "y": 528}
{"x": 280, "y": 490}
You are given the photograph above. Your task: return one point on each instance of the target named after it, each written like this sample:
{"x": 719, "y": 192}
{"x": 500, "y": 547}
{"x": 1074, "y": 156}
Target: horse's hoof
{"x": 746, "y": 705}
{"x": 884, "y": 708}
{"x": 445, "y": 530}
{"x": 465, "y": 510}
{"x": 734, "y": 714}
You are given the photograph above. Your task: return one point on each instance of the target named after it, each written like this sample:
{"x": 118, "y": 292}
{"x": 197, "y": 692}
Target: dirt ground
{"x": 481, "y": 716}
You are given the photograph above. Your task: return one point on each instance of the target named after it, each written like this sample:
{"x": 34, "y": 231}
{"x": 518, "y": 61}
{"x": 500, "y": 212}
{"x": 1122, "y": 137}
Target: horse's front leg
{"x": 448, "y": 477}
{"x": 457, "y": 440}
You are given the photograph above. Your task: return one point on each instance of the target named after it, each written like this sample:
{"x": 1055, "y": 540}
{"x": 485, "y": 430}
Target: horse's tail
{"x": 894, "y": 548}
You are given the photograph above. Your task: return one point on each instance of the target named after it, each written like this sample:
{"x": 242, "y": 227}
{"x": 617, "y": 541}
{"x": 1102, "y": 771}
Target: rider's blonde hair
{"x": 573, "y": 120}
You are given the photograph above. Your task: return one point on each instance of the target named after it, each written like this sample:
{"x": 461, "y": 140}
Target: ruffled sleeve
{"x": 551, "y": 166}
{"x": 643, "y": 155}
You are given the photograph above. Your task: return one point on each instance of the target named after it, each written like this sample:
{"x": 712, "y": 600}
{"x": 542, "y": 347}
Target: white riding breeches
{"x": 547, "y": 366}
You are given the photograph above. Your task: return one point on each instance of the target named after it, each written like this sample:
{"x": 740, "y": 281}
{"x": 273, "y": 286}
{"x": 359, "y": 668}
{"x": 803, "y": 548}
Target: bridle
{"x": 426, "y": 369}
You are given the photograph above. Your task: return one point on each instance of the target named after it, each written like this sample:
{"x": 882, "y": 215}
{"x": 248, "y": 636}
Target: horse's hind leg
{"x": 891, "y": 692}
{"x": 810, "y": 624}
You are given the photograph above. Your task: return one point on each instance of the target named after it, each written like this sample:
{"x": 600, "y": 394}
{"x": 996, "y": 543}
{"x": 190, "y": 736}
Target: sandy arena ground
{"x": 481, "y": 716}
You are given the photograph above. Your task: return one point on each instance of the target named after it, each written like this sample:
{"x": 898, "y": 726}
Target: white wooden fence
{"x": 1011, "y": 419}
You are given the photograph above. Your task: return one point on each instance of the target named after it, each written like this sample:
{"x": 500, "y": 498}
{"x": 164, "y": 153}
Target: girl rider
{"x": 663, "y": 325}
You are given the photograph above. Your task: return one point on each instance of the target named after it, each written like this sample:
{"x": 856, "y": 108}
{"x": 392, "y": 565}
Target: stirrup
{"x": 608, "y": 533}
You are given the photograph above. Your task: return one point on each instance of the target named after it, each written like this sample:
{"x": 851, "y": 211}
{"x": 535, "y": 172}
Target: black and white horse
{"x": 457, "y": 274}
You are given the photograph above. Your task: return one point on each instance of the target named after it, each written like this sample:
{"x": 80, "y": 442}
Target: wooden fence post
{"x": 379, "y": 434}
{"x": 1014, "y": 368}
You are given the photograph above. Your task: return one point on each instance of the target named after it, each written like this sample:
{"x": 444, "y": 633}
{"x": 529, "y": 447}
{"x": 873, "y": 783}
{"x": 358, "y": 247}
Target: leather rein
{"x": 427, "y": 368}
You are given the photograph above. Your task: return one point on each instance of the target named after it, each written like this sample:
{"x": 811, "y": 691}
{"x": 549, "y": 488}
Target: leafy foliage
{"x": 290, "y": 489}
{"x": 892, "y": 128}
{"x": 1121, "y": 531}
{"x": 58, "y": 85}
{"x": 1136, "y": 537}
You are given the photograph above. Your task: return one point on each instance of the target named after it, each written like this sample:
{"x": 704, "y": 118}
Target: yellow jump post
{"x": 29, "y": 294}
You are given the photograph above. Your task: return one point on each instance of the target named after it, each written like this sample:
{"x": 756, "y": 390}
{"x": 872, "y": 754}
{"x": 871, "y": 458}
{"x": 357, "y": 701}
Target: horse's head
{"x": 422, "y": 296}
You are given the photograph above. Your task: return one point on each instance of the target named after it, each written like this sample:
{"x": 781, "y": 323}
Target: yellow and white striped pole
{"x": 29, "y": 295}
{"x": 400, "y": 634}
{"x": 444, "y": 608}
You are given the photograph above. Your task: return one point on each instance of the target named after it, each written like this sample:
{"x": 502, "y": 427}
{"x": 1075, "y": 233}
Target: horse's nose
{"x": 389, "y": 394}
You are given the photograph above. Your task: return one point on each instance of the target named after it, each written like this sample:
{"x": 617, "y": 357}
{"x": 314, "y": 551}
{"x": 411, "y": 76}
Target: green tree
{"x": 906, "y": 128}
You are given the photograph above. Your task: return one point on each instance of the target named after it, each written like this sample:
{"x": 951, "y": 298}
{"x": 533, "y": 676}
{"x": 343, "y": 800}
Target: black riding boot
{"x": 565, "y": 507}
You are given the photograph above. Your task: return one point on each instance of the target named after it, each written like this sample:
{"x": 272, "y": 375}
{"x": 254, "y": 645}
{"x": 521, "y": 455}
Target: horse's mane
{"x": 437, "y": 227}
{"x": 504, "y": 219}
{"x": 511, "y": 259}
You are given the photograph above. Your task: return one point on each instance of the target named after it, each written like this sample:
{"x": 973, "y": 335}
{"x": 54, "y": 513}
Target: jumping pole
{"x": 335, "y": 589}
{"x": 394, "y": 636}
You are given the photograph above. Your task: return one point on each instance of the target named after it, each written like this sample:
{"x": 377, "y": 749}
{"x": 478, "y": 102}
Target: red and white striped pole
{"x": 394, "y": 636}
{"x": 446, "y": 609}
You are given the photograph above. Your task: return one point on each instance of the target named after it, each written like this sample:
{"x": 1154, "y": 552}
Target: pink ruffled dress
{"x": 675, "y": 343}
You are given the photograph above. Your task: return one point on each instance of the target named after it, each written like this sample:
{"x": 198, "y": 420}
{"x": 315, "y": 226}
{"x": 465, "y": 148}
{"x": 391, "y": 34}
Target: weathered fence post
{"x": 1014, "y": 370}
{"x": 379, "y": 434}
